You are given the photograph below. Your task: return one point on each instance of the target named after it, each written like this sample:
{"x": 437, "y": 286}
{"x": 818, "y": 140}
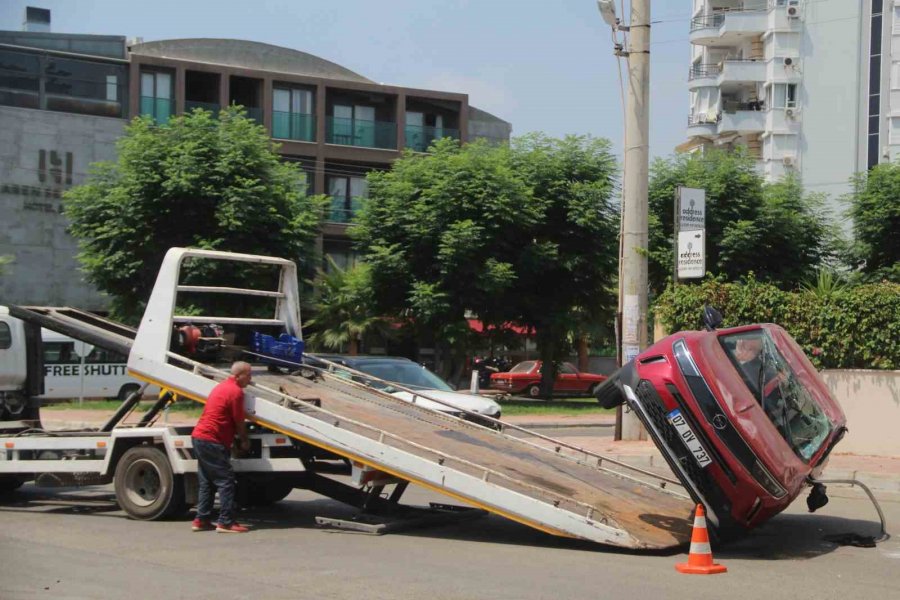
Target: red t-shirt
{"x": 224, "y": 408}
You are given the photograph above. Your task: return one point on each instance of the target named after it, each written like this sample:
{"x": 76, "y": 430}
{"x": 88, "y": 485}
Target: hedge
{"x": 849, "y": 328}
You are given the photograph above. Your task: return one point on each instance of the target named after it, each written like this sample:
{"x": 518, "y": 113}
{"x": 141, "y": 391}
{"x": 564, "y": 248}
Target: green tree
{"x": 875, "y": 210}
{"x": 343, "y": 309}
{"x": 776, "y": 230}
{"x": 524, "y": 233}
{"x": 199, "y": 181}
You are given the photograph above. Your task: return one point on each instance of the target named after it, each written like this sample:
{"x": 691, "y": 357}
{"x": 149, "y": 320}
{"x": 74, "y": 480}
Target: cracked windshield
{"x": 787, "y": 403}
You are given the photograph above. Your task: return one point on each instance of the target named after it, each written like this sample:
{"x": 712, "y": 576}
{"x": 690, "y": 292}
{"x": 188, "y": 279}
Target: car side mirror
{"x": 712, "y": 318}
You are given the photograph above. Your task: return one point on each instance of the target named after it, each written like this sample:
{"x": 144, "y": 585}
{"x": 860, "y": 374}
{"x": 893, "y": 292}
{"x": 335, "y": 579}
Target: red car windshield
{"x": 790, "y": 405}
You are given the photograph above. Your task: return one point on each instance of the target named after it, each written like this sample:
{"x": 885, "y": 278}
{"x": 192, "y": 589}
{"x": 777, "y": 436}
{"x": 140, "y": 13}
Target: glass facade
{"x": 72, "y": 85}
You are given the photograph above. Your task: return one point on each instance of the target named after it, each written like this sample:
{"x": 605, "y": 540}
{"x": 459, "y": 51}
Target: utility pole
{"x": 633, "y": 280}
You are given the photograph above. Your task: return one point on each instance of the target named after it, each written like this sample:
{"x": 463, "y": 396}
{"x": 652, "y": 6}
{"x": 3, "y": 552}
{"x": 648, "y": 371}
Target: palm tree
{"x": 343, "y": 309}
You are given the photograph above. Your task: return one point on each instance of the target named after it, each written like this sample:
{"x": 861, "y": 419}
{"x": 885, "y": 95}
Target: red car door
{"x": 567, "y": 380}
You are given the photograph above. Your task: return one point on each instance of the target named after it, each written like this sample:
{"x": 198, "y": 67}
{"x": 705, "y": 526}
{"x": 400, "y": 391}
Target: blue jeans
{"x": 214, "y": 472}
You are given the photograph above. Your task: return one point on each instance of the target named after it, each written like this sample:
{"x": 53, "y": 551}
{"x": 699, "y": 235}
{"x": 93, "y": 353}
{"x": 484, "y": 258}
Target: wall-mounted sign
{"x": 691, "y": 254}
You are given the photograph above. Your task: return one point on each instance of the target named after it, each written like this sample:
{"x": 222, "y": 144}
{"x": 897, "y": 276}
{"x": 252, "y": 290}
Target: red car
{"x": 526, "y": 377}
{"x": 741, "y": 415}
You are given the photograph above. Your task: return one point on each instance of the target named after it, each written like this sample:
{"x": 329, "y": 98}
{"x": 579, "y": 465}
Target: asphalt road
{"x": 76, "y": 543}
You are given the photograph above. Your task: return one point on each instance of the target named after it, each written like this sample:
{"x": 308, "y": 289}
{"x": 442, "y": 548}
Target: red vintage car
{"x": 526, "y": 377}
{"x": 740, "y": 414}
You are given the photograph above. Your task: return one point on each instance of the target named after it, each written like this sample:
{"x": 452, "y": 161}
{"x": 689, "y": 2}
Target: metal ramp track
{"x": 538, "y": 486}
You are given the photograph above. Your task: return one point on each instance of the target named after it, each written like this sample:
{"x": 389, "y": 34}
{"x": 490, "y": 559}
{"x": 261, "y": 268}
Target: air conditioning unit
{"x": 787, "y": 161}
{"x": 793, "y": 12}
{"x": 791, "y": 112}
{"x": 788, "y": 61}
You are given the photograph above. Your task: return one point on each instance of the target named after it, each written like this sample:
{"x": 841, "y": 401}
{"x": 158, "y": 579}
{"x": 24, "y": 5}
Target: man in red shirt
{"x": 212, "y": 439}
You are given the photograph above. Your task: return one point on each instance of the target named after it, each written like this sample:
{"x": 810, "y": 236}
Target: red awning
{"x": 478, "y": 327}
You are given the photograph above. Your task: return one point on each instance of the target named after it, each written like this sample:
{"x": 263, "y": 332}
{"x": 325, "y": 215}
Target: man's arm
{"x": 241, "y": 428}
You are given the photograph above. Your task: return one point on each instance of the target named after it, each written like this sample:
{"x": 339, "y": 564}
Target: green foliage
{"x": 844, "y": 328}
{"x": 524, "y": 233}
{"x": 199, "y": 181}
{"x": 4, "y": 260}
{"x": 343, "y": 309}
{"x": 776, "y": 230}
{"x": 875, "y": 209}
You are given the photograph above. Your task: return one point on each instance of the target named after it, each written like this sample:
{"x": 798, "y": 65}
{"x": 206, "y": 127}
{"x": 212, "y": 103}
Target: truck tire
{"x": 9, "y": 484}
{"x": 261, "y": 491}
{"x": 146, "y": 488}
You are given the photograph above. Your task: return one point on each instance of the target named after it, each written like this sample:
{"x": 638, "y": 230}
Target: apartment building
{"x": 64, "y": 101}
{"x": 808, "y": 87}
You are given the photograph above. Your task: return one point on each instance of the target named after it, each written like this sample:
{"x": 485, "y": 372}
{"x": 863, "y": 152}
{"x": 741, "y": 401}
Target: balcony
{"x": 728, "y": 27}
{"x": 703, "y": 125}
{"x": 213, "y": 107}
{"x": 343, "y": 209}
{"x": 743, "y": 120}
{"x": 367, "y": 134}
{"x": 294, "y": 126}
{"x": 703, "y": 75}
{"x": 419, "y": 137}
{"x": 159, "y": 109}
{"x": 742, "y": 71}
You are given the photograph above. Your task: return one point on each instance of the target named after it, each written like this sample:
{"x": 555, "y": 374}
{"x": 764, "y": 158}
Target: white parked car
{"x": 416, "y": 377}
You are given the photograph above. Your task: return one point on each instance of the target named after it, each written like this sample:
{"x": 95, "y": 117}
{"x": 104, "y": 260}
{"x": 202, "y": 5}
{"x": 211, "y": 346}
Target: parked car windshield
{"x": 788, "y": 404}
{"x": 523, "y": 367}
{"x": 406, "y": 373}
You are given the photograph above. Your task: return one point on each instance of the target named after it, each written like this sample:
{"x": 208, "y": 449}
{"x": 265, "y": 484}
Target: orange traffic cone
{"x": 700, "y": 560}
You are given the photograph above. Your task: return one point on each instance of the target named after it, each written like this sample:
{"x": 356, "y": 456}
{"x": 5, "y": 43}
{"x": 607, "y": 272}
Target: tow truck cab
{"x": 740, "y": 414}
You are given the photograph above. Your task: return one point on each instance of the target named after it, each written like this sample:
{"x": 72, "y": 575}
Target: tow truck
{"x": 311, "y": 421}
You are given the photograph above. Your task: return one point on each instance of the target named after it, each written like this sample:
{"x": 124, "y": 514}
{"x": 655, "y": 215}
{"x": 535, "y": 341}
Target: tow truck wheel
{"x": 261, "y": 491}
{"x": 9, "y": 484}
{"x": 146, "y": 487}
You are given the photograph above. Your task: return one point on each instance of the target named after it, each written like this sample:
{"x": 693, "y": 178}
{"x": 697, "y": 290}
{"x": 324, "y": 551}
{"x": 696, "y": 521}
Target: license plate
{"x": 687, "y": 436}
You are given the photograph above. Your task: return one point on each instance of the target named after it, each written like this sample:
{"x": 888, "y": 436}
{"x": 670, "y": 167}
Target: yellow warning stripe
{"x": 368, "y": 463}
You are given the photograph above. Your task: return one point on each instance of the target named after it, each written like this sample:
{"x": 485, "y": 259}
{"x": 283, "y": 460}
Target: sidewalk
{"x": 880, "y": 473}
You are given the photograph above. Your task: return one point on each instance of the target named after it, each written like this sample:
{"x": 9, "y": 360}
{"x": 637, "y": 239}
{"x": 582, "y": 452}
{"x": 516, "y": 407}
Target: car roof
{"x": 359, "y": 359}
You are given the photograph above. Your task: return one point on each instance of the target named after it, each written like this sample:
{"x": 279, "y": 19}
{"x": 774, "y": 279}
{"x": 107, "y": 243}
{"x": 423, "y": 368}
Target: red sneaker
{"x": 233, "y": 528}
{"x": 202, "y": 525}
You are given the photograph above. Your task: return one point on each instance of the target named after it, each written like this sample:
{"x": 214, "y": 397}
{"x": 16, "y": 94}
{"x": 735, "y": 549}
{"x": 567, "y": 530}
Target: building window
{"x": 293, "y": 116}
{"x": 84, "y": 87}
{"x": 5, "y": 336}
{"x": 347, "y": 195}
{"x": 784, "y": 95}
{"x": 20, "y": 76}
{"x": 156, "y": 95}
{"x": 873, "y": 130}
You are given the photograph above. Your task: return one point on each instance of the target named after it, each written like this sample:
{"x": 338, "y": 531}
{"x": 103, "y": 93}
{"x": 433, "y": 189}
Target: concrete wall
{"x": 43, "y": 153}
{"x": 871, "y": 401}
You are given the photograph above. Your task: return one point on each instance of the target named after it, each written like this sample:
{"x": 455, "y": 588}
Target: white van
{"x": 75, "y": 369}
{"x": 72, "y": 369}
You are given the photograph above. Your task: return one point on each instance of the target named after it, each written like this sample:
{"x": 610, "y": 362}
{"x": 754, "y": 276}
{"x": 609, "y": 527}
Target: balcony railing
{"x": 368, "y": 134}
{"x": 213, "y": 107}
{"x": 419, "y": 137}
{"x": 704, "y": 70}
{"x": 294, "y": 126}
{"x": 707, "y": 21}
{"x": 704, "y": 119}
{"x": 344, "y": 209}
{"x": 160, "y": 109}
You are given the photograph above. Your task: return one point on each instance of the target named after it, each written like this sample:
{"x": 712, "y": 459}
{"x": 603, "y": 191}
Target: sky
{"x": 542, "y": 65}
